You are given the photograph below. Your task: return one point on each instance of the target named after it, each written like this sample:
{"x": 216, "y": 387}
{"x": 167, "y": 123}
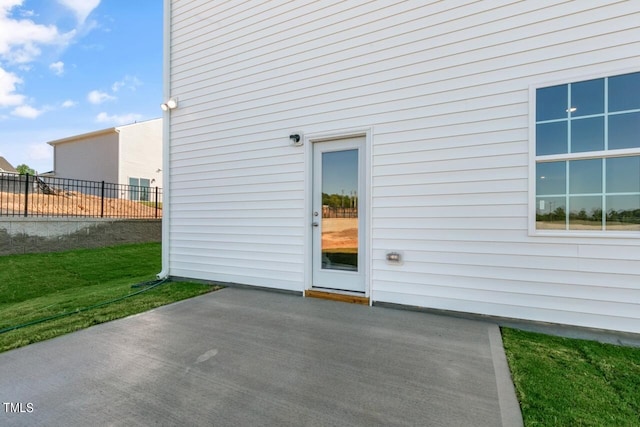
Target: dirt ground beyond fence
{"x": 339, "y": 233}
{"x": 75, "y": 204}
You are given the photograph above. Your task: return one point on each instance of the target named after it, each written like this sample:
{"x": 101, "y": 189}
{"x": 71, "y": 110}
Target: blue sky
{"x": 340, "y": 172}
{"x": 74, "y": 66}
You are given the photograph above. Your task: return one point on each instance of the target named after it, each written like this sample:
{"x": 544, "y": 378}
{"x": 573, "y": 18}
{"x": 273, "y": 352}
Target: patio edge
{"x": 509, "y": 406}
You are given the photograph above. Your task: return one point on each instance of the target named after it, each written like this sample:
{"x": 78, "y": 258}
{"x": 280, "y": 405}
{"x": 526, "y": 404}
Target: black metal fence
{"x": 339, "y": 212}
{"x": 36, "y": 196}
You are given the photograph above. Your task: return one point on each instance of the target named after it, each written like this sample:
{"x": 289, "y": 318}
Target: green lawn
{"x": 570, "y": 382}
{"x": 38, "y": 286}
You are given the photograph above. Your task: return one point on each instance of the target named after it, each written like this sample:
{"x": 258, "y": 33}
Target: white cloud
{"x": 69, "y": 103}
{"x": 118, "y": 119}
{"x": 39, "y": 152}
{"x": 81, "y": 8}
{"x": 128, "y": 82}
{"x": 20, "y": 38}
{"x": 26, "y": 112}
{"x": 8, "y": 83}
{"x": 27, "y": 13}
{"x": 97, "y": 97}
{"x": 57, "y": 68}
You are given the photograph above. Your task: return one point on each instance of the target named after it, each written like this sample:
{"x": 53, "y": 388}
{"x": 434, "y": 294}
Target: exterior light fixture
{"x": 170, "y": 104}
{"x": 394, "y": 258}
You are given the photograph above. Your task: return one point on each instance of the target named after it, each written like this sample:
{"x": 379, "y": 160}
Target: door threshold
{"x": 342, "y": 297}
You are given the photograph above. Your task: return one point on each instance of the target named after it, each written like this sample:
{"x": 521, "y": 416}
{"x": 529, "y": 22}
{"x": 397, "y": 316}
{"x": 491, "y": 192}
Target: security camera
{"x": 296, "y": 139}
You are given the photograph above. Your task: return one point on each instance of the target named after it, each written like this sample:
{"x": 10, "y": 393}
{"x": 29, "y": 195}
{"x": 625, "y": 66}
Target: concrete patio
{"x": 243, "y": 357}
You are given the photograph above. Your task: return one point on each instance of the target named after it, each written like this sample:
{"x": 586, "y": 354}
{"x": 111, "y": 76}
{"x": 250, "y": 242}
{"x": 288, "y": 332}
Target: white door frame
{"x": 309, "y": 140}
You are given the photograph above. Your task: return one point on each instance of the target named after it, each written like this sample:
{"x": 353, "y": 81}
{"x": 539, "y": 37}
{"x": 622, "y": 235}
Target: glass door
{"x": 337, "y": 223}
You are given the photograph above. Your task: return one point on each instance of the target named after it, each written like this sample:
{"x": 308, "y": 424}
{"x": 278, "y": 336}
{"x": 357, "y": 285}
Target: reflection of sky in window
{"x": 587, "y": 134}
{"x": 624, "y": 92}
{"x": 551, "y": 103}
{"x": 551, "y": 138}
{"x": 551, "y": 178}
{"x": 340, "y": 172}
{"x": 585, "y": 176}
{"x": 587, "y": 98}
{"x": 623, "y": 175}
{"x": 624, "y": 131}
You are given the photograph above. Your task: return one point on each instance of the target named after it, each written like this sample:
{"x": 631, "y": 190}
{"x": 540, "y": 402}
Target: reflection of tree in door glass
{"x": 340, "y": 210}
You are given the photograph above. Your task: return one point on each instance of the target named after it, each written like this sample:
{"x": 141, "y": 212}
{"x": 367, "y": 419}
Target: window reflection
{"x": 624, "y": 92}
{"x": 623, "y": 212}
{"x": 551, "y": 213}
{"x": 624, "y": 131}
{"x": 551, "y": 103}
{"x": 587, "y": 98}
{"x": 585, "y": 176}
{"x": 551, "y": 138}
{"x": 596, "y": 191}
{"x": 585, "y": 213}
{"x": 623, "y": 175}
{"x": 587, "y": 134}
{"x": 340, "y": 210}
{"x": 551, "y": 178}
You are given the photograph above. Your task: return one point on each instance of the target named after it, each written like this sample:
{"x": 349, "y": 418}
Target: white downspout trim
{"x": 166, "y": 135}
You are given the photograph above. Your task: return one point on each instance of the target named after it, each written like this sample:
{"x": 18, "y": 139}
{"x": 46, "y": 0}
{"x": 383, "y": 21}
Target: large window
{"x": 587, "y": 159}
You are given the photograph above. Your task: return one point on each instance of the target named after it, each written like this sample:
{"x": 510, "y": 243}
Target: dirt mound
{"x": 339, "y": 233}
{"x": 75, "y": 204}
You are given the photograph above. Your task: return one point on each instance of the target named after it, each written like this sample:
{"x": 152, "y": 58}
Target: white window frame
{"x": 534, "y": 159}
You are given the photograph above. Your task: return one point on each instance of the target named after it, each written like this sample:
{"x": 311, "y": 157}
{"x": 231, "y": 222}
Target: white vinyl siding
{"x": 444, "y": 86}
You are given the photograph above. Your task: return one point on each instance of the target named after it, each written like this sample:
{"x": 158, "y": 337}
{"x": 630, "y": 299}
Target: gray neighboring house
{"x": 10, "y": 177}
{"x": 129, "y": 154}
{"x": 5, "y": 166}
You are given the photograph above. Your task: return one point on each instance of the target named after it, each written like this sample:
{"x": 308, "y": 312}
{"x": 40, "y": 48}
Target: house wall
{"x": 92, "y": 158}
{"x": 141, "y": 152}
{"x": 445, "y": 91}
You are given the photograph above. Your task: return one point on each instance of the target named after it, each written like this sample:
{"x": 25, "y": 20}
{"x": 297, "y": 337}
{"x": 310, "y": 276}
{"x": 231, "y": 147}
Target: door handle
{"x": 315, "y": 223}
